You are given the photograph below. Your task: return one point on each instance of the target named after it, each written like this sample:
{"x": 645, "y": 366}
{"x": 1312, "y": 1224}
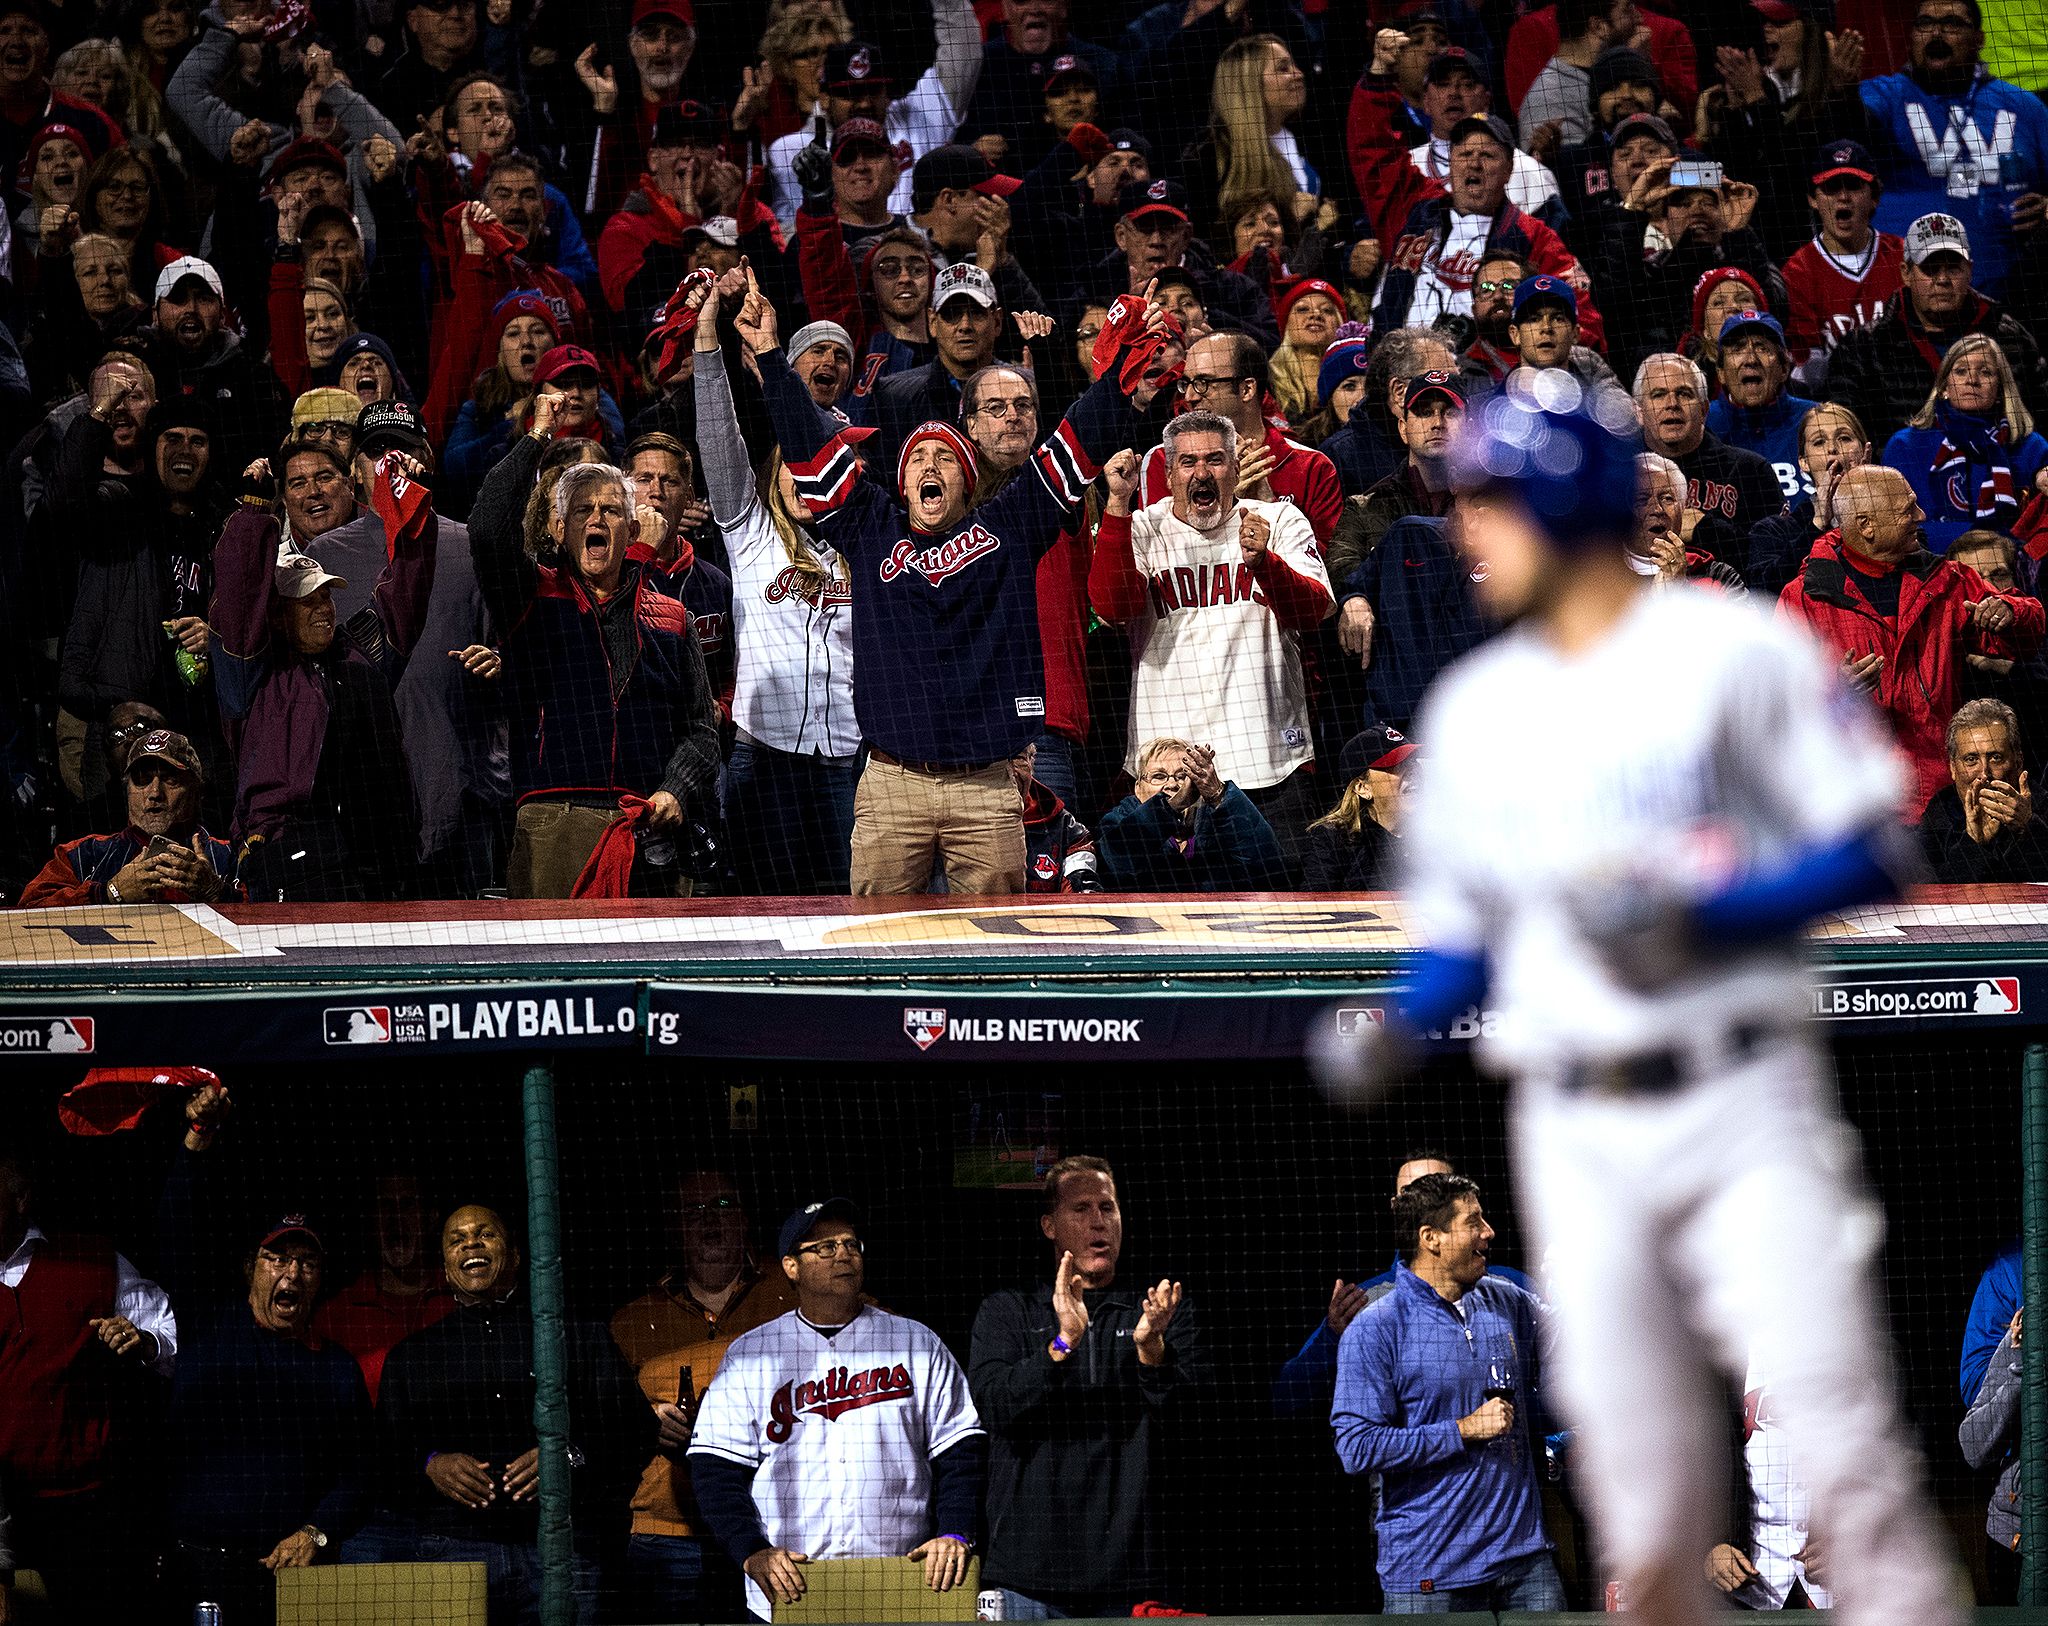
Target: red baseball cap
{"x": 563, "y": 358}
{"x": 678, "y": 11}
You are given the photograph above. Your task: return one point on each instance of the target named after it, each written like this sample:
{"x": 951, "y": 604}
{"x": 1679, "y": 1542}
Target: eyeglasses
{"x": 125, "y": 189}
{"x": 892, "y": 268}
{"x": 717, "y": 1208}
{"x": 1203, "y": 383}
{"x": 1945, "y": 25}
{"x": 832, "y": 1247}
{"x": 1507, "y": 287}
{"x": 999, "y": 410}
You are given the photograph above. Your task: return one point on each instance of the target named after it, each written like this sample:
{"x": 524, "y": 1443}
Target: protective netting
{"x": 675, "y": 1186}
{"x": 315, "y": 304}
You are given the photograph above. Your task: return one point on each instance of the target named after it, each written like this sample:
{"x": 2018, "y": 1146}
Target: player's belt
{"x": 1666, "y": 1072}
{"x": 876, "y": 754}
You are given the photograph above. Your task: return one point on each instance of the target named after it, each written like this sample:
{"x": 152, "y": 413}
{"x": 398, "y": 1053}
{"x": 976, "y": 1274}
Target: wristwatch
{"x": 319, "y": 1536}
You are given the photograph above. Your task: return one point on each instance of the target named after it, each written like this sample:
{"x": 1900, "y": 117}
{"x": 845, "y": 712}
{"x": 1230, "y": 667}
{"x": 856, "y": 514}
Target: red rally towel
{"x": 1125, "y": 327}
{"x": 401, "y": 502}
{"x": 109, "y": 1100}
{"x": 675, "y": 327}
{"x": 610, "y": 865}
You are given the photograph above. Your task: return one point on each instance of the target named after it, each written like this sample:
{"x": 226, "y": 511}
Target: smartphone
{"x": 1700, "y": 173}
{"x": 159, "y": 845}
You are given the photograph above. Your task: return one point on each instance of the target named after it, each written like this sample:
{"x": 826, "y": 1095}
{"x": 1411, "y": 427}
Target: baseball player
{"x": 1636, "y": 917}
{"x": 837, "y": 1430}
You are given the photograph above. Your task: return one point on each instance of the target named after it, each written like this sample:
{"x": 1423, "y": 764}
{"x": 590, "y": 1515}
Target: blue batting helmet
{"x": 1565, "y": 452}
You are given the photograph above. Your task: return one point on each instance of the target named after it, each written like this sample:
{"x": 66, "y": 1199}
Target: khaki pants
{"x": 903, "y": 819}
{"x": 551, "y": 842}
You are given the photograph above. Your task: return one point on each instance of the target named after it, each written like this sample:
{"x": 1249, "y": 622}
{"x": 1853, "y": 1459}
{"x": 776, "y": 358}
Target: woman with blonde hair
{"x": 778, "y": 96}
{"x": 1832, "y": 441}
{"x": 790, "y": 781}
{"x": 1250, "y": 147}
{"x": 1971, "y": 452}
{"x": 1351, "y": 848}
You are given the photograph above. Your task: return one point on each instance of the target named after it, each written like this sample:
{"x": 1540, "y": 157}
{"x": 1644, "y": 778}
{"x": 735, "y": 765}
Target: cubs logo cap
{"x": 1382, "y": 747}
{"x": 798, "y": 1225}
{"x": 856, "y": 65}
{"x": 1162, "y": 197}
{"x": 1535, "y": 290}
{"x": 1926, "y": 237}
{"x": 964, "y": 281}
{"x": 1741, "y": 324}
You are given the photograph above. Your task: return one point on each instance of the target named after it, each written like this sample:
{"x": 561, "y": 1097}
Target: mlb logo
{"x": 357, "y": 1024}
{"x": 925, "y": 1024}
{"x": 1355, "y": 1019}
{"x": 1996, "y": 996}
{"x": 68, "y": 1036}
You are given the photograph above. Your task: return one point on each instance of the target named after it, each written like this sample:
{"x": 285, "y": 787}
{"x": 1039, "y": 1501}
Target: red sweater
{"x": 58, "y": 1417}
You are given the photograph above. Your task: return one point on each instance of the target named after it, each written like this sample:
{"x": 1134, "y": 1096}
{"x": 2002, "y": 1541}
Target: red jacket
{"x": 1923, "y": 646}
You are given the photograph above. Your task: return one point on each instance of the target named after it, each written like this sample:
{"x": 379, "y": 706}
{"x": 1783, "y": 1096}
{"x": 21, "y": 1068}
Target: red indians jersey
{"x": 840, "y": 1431}
{"x": 1302, "y": 477}
{"x": 1832, "y": 296}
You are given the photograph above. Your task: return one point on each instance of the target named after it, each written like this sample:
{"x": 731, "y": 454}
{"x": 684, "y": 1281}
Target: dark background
{"x": 1235, "y": 1179}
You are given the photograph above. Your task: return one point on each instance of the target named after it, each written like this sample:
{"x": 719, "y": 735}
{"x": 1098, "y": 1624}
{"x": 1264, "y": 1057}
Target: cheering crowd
{"x": 472, "y": 449}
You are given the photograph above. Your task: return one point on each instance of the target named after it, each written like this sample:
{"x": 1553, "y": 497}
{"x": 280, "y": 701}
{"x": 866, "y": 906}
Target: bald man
{"x": 1902, "y": 620}
{"x": 457, "y": 1402}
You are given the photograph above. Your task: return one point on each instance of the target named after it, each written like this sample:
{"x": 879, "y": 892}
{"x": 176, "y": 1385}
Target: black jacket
{"x": 1234, "y": 302}
{"x": 902, "y": 402}
{"x": 1778, "y": 546}
{"x": 1072, "y": 1445}
{"x": 1736, "y": 490}
{"x": 467, "y": 1384}
{"x": 2008, "y": 856}
{"x": 1340, "y": 863}
{"x": 1883, "y": 375}
{"x": 1648, "y": 303}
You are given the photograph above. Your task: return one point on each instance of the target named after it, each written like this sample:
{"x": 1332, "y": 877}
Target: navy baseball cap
{"x": 1381, "y": 747}
{"x": 1843, "y": 158}
{"x": 1741, "y": 323}
{"x": 1648, "y": 124}
{"x": 1161, "y": 197}
{"x": 798, "y": 1225}
{"x": 1484, "y": 124}
{"x": 1125, "y": 139}
{"x": 291, "y": 1225}
{"x": 1534, "y": 290}
{"x": 855, "y": 65}
{"x": 1440, "y": 382}
{"x": 1452, "y": 59}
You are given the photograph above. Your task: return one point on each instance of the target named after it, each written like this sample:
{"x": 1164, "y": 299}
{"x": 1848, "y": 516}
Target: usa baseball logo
{"x": 925, "y": 1024}
{"x": 836, "y": 1393}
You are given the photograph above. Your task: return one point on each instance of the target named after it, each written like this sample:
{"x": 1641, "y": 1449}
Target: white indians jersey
{"x": 1210, "y": 662}
{"x": 1698, "y": 740}
{"x": 1777, "y": 1505}
{"x": 840, "y": 1431}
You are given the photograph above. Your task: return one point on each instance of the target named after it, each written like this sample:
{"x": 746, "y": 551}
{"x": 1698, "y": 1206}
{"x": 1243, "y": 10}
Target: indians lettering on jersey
{"x": 790, "y": 582}
{"x": 1197, "y": 586}
{"x": 839, "y": 1391}
{"x": 1711, "y": 496}
{"x": 941, "y": 559}
{"x": 1830, "y": 300}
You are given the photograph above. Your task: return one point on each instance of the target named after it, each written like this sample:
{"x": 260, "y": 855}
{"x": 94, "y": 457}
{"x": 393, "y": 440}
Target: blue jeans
{"x": 1527, "y": 1584}
{"x": 511, "y": 1577}
{"x": 789, "y": 821}
{"x": 385, "y": 1538}
{"x": 683, "y": 1579}
{"x": 1054, "y": 769}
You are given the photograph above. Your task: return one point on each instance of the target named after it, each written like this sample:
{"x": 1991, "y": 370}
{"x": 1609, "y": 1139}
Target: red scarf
{"x": 109, "y": 1100}
{"x": 401, "y": 502}
{"x": 610, "y": 866}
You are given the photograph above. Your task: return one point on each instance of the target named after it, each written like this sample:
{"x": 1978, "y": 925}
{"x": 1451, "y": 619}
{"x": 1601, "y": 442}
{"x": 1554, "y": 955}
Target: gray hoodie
{"x": 1990, "y": 1433}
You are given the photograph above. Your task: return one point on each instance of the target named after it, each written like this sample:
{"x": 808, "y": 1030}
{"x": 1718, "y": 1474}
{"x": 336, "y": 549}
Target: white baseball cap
{"x": 721, "y": 229}
{"x": 188, "y": 265}
{"x": 299, "y": 576}
{"x": 1936, "y": 234}
{"x": 969, "y": 280}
